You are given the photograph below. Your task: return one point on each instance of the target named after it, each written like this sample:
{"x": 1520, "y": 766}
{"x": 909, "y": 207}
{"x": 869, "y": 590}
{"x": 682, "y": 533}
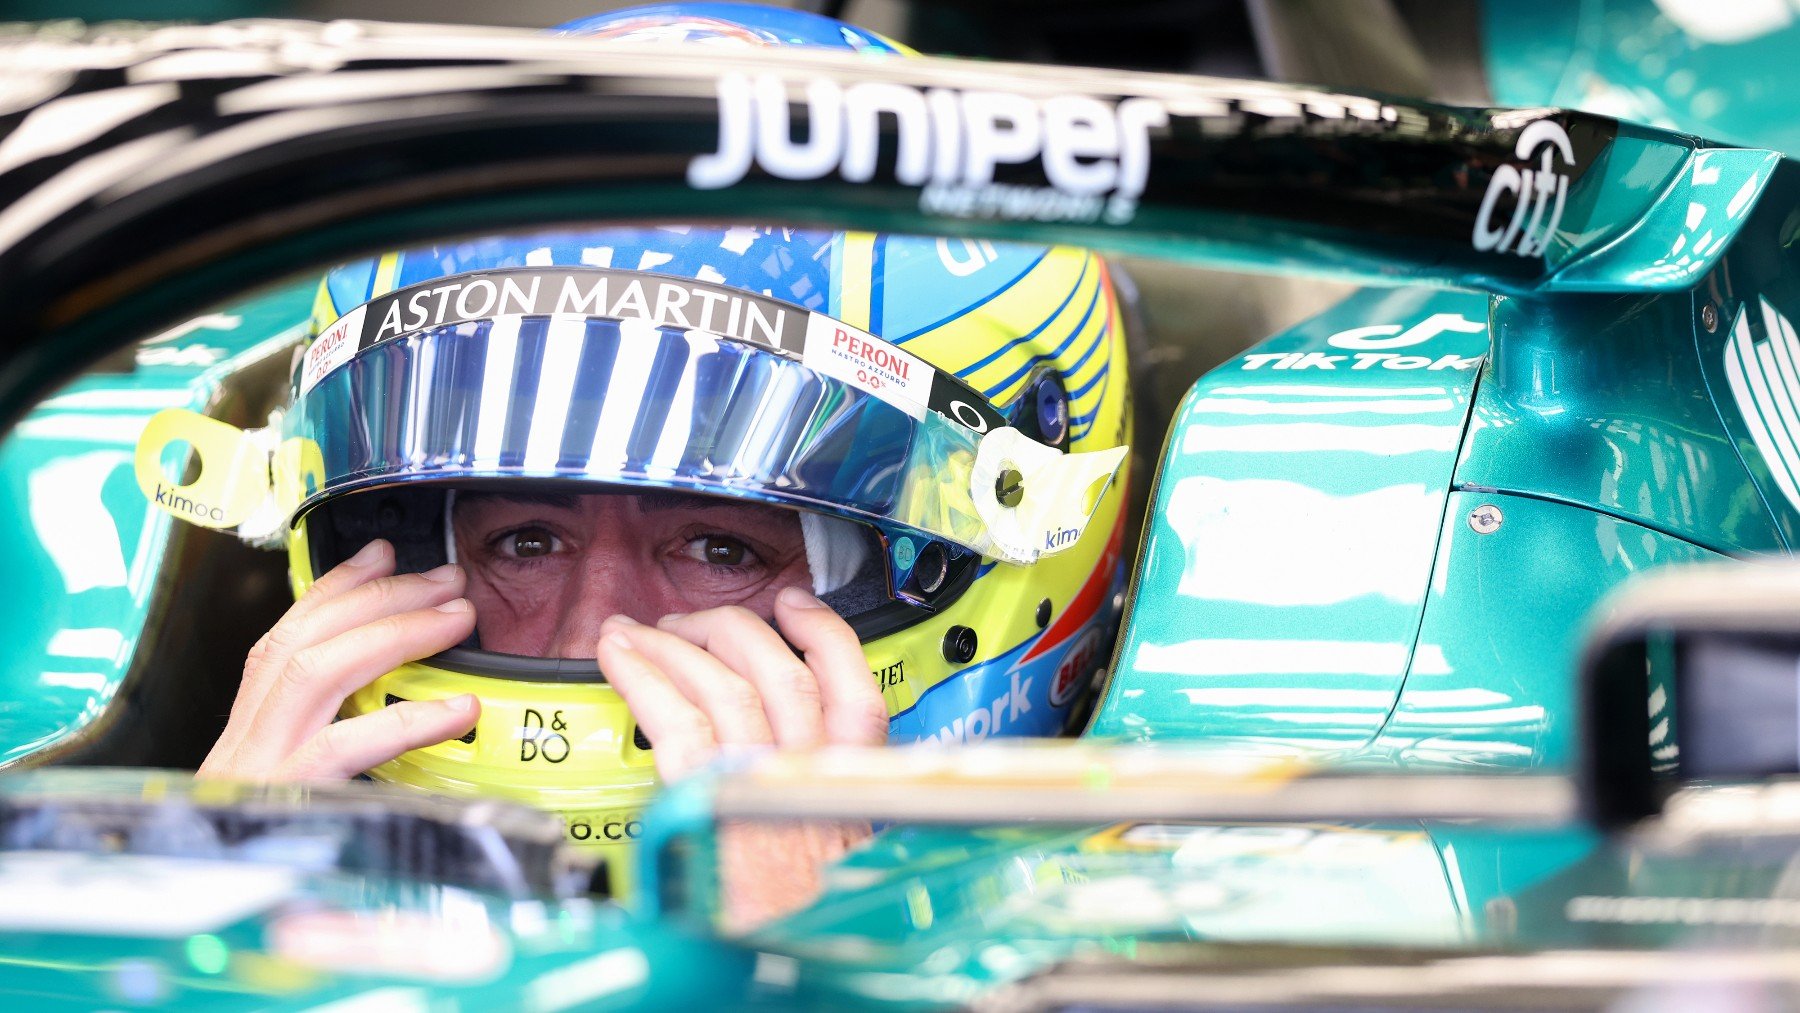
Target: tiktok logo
{"x": 1533, "y": 190}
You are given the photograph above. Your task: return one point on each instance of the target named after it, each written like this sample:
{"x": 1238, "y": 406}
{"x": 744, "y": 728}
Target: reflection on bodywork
{"x": 93, "y": 549}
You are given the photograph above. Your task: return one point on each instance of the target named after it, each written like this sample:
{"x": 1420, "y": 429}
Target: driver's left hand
{"x": 722, "y": 679}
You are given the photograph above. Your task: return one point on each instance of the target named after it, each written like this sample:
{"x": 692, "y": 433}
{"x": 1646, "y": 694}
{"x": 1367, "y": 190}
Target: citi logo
{"x": 1095, "y": 154}
{"x": 1538, "y": 194}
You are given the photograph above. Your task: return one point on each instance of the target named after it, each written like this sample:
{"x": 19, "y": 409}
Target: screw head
{"x": 1043, "y": 613}
{"x": 959, "y": 645}
{"x": 1052, "y": 412}
{"x": 1709, "y": 317}
{"x": 1009, "y": 488}
{"x": 1485, "y": 519}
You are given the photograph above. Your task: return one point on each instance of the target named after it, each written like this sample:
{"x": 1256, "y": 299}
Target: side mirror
{"x": 1691, "y": 674}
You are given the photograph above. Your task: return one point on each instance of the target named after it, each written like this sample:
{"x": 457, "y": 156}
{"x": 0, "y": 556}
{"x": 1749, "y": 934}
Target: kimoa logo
{"x": 1538, "y": 194}
{"x": 1095, "y": 154}
{"x": 172, "y": 500}
{"x": 988, "y": 720}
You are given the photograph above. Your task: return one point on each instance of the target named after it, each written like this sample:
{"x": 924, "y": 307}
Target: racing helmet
{"x": 949, "y": 418}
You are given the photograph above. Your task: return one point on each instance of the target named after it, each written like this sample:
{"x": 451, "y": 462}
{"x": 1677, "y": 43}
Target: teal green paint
{"x": 541, "y": 956}
{"x": 1628, "y": 58}
{"x": 1601, "y": 401}
{"x": 1294, "y": 522}
{"x": 1751, "y": 355}
{"x": 87, "y": 548}
{"x": 1697, "y": 204}
{"x": 1492, "y": 680}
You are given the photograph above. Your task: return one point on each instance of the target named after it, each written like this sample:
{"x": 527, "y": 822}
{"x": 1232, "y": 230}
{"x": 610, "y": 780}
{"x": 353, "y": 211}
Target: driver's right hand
{"x": 354, "y": 624}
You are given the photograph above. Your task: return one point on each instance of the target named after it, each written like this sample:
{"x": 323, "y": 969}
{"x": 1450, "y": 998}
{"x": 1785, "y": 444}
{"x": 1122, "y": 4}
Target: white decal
{"x": 1095, "y": 154}
{"x": 990, "y": 718}
{"x": 331, "y": 349}
{"x": 868, "y": 363}
{"x": 1377, "y": 338}
{"x": 1765, "y": 382}
{"x": 1529, "y": 229}
{"x": 1361, "y": 360}
{"x": 976, "y": 254}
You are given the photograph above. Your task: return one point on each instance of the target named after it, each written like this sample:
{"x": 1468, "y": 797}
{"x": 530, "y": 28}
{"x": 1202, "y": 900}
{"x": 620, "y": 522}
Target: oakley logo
{"x": 1537, "y": 194}
{"x": 1095, "y": 154}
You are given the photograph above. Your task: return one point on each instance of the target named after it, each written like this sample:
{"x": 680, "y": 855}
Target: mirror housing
{"x": 1691, "y": 674}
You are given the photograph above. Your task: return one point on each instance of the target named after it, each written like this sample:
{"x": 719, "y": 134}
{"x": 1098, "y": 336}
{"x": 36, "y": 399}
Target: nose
{"x": 609, "y": 580}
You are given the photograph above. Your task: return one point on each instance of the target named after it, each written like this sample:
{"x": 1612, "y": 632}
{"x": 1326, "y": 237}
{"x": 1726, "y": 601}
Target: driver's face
{"x": 545, "y": 571}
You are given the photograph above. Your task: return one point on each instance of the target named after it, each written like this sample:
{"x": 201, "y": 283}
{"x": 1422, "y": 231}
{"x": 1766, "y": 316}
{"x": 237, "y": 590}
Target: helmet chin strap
{"x": 835, "y": 550}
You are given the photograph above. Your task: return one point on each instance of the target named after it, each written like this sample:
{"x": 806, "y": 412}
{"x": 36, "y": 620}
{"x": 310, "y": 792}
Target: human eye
{"x": 526, "y": 543}
{"x": 722, "y": 551}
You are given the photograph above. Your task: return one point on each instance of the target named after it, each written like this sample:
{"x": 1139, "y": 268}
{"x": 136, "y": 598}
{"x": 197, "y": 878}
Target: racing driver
{"x": 786, "y": 489}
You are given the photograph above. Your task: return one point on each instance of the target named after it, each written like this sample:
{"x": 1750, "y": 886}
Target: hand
{"x": 353, "y": 625}
{"x": 712, "y": 681}
{"x": 720, "y": 679}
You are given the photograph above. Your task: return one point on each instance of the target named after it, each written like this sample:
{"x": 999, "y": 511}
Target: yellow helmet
{"x": 480, "y": 363}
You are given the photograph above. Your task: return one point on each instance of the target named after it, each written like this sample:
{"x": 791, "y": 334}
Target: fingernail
{"x": 626, "y": 620}
{"x": 455, "y": 605}
{"x": 368, "y": 553}
{"x": 464, "y": 704}
{"x": 794, "y": 597}
{"x": 671, "y": 617}
{"x": 443, "y": 574}
{"x": 619, "y": 641}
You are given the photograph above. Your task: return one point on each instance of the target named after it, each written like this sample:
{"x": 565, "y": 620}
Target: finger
{"x": 749, "y": 646}
{"x": 347, "y": 748}
{"x": 855, "y": 712}
{"x": 357, "y": 606}
{"x": 729, "y": 700}
{"x": 375, "y": 559}
{"x": 682, "y": 735}
{"x": 310, "y": 688}
{"x": 372, "y": 561}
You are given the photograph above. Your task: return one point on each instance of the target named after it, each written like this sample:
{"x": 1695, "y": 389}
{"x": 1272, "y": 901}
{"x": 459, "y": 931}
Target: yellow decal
{"x": 299, "y": 471}
{"x": 234, "y": 471}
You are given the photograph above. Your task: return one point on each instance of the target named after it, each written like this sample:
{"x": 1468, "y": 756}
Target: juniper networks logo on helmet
{"x": 1094, "y": 153}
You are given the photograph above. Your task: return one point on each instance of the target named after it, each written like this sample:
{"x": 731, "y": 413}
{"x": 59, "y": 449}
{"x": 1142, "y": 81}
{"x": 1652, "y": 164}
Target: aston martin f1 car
{"x": 1349, "y": 746}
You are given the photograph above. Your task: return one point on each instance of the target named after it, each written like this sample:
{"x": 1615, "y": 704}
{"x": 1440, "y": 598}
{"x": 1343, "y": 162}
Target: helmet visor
{"x": 632, "y": 403}
{"x": 627, "y": 378}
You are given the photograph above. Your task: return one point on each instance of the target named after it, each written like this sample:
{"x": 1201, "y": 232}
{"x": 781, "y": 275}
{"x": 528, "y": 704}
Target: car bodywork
{"x": 1439, "y": 483}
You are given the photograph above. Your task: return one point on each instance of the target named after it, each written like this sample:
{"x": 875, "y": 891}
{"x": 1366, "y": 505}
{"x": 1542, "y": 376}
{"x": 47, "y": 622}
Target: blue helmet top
{"x": 750, "y": 24}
